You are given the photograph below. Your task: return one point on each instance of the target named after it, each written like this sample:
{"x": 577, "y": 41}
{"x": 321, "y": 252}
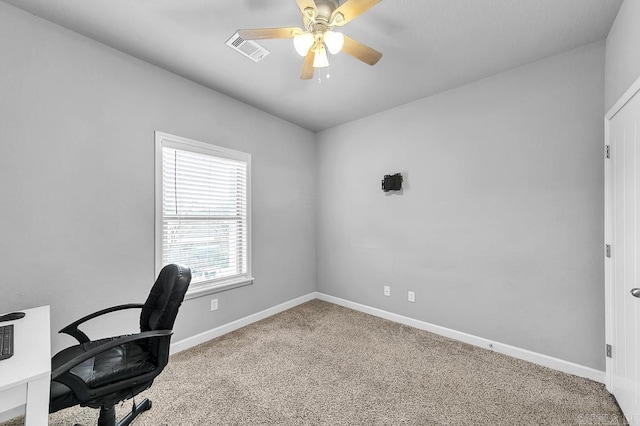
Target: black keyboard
{"x": 6, "y": 341}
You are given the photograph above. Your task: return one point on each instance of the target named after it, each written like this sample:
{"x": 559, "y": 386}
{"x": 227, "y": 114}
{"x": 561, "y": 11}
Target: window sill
{"x": 204, "y": 289}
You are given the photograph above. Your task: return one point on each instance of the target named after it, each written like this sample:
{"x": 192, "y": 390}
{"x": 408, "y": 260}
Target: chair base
{"x": 108, "y": 414}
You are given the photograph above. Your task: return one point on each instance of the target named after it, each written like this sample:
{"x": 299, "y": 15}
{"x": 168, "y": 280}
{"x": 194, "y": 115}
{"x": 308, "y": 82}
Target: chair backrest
{"x": 161, "y": 308}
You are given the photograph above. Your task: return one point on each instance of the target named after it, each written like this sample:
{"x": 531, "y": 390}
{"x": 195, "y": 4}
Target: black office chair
{"x": 101, "y": 373}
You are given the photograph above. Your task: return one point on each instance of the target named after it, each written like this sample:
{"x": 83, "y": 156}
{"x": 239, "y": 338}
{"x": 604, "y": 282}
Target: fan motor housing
{"x": 324, "y": 10}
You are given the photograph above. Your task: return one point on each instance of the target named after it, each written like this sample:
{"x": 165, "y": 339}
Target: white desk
{"x": 25, "y": 377}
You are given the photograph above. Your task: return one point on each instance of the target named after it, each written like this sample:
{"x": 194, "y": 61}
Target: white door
{"x": 622, "y": 233}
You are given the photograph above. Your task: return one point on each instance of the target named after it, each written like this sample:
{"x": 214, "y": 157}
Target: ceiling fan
{"x": 320, "y": 17}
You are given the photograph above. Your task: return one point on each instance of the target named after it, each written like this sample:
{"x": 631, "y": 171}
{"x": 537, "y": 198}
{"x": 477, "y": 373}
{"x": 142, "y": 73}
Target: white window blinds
{"x": 204, "y": 214}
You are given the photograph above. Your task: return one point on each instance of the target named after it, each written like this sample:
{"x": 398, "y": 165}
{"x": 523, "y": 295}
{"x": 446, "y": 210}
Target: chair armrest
{"x": 105, "y": 347}
{"x": 72, "y": 329}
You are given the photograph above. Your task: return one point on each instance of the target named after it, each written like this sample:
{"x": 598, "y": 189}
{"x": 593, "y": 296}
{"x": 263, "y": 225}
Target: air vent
{"x": 248, "y": 48}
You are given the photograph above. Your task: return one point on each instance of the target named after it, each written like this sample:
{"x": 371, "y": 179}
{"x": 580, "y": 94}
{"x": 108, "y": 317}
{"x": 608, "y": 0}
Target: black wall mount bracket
{"x": 392, "y": 182}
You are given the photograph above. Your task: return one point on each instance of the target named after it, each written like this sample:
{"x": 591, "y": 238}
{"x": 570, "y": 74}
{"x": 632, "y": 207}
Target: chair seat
{"x": 119, "y": 363}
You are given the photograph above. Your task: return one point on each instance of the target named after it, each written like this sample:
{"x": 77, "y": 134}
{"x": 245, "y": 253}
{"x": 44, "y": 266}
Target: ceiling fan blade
{"x": 361, "y": 51}
{"x": 307, "y": 67}
{"x": 264, "y": 33}
{"x": 352, "y": 9}
{"x": 306, "y": 4}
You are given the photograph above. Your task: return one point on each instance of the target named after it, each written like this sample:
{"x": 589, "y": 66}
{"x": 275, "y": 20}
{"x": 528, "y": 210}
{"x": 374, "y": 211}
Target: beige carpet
{"x": 324, "y": 364}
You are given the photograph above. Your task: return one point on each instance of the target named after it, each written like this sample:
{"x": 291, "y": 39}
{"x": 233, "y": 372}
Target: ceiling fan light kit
{"x": 302, "y": 43}
{"x": 334, "y": 41}
{"x": 320, "y": 60}
{"x": 319, "y": 18}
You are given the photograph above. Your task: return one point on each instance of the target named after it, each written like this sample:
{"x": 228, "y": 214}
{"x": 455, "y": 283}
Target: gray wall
{"x": 77, "y": 179}
{"x": 623, "y": 45}
{"x": 499, "y": 230}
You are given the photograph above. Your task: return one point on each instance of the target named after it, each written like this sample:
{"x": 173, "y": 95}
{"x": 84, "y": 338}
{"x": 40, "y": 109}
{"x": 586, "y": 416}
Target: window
{"x": 203, "y": 212}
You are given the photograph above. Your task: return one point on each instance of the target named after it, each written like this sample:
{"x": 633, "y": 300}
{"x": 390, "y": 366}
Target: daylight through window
{"x": 204, "y": 220}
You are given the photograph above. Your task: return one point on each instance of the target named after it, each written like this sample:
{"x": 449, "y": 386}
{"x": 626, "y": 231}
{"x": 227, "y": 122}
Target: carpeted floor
{"x": 322, "y": 364}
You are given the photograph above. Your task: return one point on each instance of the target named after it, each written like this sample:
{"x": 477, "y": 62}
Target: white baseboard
{"x": 524, "y": 354}
{"x": 14, "y": 412}
{"x": 192, "y": 341}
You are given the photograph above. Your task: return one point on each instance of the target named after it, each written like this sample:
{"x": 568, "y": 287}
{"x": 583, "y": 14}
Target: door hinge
{"x": 608, "y": 351}
{"x": 607, "y": 250}
{"x": 607, "y": 151}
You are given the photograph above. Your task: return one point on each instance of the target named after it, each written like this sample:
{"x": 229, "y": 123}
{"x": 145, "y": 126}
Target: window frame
{"x": 172, "y": 141}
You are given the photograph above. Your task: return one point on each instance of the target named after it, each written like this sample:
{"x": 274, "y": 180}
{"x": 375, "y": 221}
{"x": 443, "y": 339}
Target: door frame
{"x": 608, "y": 224}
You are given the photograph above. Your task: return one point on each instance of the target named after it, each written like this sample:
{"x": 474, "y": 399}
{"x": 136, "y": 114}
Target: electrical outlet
{"x": 214, "y": 305}
{"x": 387, "y": 290}
{"x": 411, "y": 296}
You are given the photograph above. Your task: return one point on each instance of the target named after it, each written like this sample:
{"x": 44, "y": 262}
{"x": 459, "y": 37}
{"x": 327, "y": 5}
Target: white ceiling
{"x": 429, "y": 46}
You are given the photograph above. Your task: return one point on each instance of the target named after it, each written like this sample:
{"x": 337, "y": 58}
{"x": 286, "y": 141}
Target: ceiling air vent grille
{"x": 248, "y": 48}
